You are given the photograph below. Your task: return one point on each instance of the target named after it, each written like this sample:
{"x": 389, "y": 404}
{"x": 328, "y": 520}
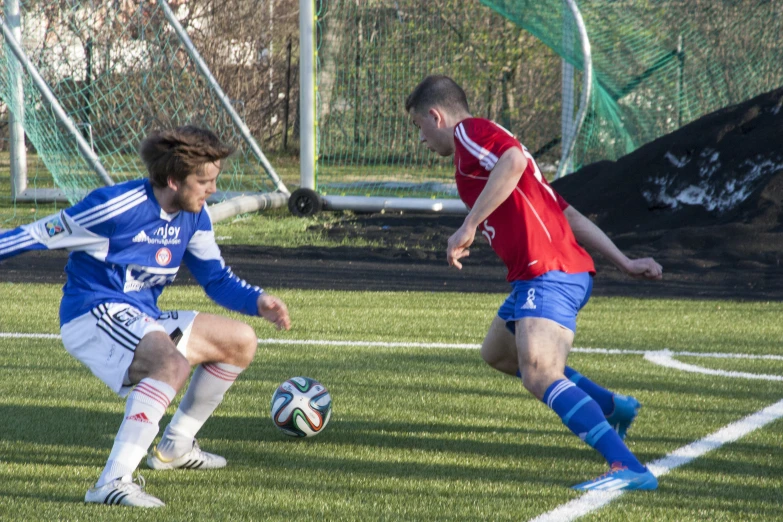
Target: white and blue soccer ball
{"x": 301, "y": 407}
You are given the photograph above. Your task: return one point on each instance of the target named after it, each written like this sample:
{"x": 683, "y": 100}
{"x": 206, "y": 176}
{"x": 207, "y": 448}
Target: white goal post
{"x": 307, "y": 199}
{"x": 19, "y": 64}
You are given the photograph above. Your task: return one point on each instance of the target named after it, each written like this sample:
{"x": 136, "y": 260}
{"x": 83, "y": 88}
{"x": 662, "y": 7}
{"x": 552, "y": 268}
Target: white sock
{"x": 209, "y": 383}
{"x": 145, "y": 406}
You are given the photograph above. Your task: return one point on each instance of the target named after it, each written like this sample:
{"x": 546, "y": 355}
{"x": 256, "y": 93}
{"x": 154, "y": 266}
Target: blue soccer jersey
{"x": 125, "y": 248}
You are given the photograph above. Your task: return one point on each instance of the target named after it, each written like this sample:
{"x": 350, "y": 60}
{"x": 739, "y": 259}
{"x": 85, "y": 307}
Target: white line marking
{"x": 29, "y": 335}
{"x": 381, "y": 344}
{"x": 594, "y": 500}
{"x": 664, "y": 358}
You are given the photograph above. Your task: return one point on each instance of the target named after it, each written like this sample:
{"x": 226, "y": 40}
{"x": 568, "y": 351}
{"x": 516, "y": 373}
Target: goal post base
{"x": 378, "y": 204}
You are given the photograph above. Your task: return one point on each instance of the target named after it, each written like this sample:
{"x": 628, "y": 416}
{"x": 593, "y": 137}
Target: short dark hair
{"x": 437, "y": 90}
{"x": 180, "y": 152}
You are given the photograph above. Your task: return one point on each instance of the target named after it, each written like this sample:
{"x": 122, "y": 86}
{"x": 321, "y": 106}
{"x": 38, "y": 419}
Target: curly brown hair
{"x": 180, "y": 152}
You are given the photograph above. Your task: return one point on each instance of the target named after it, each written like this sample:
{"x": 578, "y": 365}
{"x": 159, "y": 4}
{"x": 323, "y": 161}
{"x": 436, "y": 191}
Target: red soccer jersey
{"x": 528, "y": 231}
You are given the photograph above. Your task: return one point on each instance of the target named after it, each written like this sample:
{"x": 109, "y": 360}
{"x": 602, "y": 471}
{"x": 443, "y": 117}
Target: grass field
{"x": 418, "y": 433}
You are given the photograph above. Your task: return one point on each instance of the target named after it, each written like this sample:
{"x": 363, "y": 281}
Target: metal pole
{"x": 271, "y": 65}
{"x": 587, "y": 85}
{"x": 18, "y": 152}
{"x": 224, "y": 100}
{"x": 307, "y": 94}
{"x": 40, "y": 84}
{"x": 287, "y": 96}
{"x": 246, "y": 204}
{"x": 567, "y": 87}
{"x": 680, "y": 79}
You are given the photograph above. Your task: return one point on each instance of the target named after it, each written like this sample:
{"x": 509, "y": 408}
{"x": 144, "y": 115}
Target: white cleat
{"x": 194, "y": 459}
{"x": 123, "y": 492}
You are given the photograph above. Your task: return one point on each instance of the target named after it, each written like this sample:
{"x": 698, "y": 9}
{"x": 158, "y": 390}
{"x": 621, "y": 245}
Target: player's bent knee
{"x": 246, "y": 345}
{"x": 535, "y": 382}
{"x": 177, "y": 367}
{"x": 497, "y": 360}
{"x": 168, "y": 366}
{"x": 490, "y": 356}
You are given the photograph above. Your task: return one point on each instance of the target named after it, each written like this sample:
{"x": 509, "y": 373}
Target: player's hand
{"x": 458, "y": 245}
{"x": 274, "y": 310}
{"x": 644, "y": 268}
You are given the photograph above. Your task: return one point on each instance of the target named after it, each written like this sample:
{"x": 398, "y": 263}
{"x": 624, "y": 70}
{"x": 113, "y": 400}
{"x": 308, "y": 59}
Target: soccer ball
{"x": 301, "y": 407}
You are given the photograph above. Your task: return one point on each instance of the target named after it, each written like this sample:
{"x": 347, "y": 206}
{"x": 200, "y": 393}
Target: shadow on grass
{"x": 719, "y": 493}
{"x": 407, "y": 451}
{"x": 75, "y": 436}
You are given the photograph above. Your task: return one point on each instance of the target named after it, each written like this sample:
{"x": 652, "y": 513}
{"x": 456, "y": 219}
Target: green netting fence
{"x": 657, "y": 65}
{"x": 119, "y": 70}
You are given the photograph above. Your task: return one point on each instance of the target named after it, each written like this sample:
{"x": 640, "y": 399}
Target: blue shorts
{"x": 555, "y": 295}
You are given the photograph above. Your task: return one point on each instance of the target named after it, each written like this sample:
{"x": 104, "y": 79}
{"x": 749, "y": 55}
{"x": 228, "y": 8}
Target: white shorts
{"x": 105, "y": 339}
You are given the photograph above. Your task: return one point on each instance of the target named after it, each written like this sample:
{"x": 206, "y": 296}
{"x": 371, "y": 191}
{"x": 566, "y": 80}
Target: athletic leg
{"x": 159, "y": 371}
{"x": 543, "y": 348}
{"x": 221, "y": 348}
{"x": 132, "y": 354}
{"x": 499, "y": 348}
{"x": 499, "y": 351}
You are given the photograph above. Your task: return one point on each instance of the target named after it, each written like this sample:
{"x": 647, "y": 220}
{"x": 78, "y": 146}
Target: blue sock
{"x": 582, "y": 415}
{"x": 602, "y": 396}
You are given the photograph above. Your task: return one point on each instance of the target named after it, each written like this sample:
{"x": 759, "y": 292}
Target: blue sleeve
{"x": 84, "y": 226}
{"x": 23, "y": 239}
{"x": 204, "y": 261}
{"x": 58, "y": 231}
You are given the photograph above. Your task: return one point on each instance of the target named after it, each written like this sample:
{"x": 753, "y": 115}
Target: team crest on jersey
{"x": 54, "y": 226}
{"x": 163, "y": 256}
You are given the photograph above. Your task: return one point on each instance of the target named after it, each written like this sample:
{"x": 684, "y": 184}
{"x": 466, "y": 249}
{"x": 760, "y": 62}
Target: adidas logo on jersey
{"x": 141, "y": 237}
{"x": 139, "y": 417}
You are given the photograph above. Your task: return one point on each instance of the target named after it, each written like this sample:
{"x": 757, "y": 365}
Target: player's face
{"x": 194, "y": 191}
{"x": 433, "y": 132}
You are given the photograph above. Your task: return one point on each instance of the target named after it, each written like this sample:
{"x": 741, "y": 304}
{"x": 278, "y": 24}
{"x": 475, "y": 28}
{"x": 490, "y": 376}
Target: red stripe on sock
{"x": 153, "y": 393}
{"x": 220, "y": 373}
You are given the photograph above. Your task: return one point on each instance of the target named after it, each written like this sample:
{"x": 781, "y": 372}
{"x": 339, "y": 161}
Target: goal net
{"x": 119, "y": 70}
{"x": 655, "y": 67}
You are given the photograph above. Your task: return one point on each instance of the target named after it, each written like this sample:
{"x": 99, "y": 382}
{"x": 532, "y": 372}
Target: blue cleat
{"x": 626, "y": 409}
{"x": 620, "y": 477}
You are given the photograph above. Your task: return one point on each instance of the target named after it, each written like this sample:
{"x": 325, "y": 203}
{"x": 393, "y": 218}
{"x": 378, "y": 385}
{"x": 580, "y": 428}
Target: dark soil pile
{"x": 705, "y": 198}
{"x": 722, "y": 168}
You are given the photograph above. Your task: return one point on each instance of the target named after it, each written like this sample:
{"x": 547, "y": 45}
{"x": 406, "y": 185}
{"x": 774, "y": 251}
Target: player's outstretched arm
{"x": 502, "y": 180}
{"x": 204, "y": 261}
{"x": 57, "y": 231}
{"x": 16, "y": 241}
{"x": 594, "y": 239}
{"x": 274, "y": 310}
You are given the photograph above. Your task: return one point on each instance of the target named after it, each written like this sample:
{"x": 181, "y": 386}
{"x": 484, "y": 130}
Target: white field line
{"x": 664, "y": 358}
{"x": 382, "y": 344}
{"x": 594, "y": 500}
{"x": 29, "y": 335}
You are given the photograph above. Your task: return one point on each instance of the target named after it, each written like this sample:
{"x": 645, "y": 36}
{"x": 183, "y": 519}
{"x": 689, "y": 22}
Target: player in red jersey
{"x": 537, "y": 234}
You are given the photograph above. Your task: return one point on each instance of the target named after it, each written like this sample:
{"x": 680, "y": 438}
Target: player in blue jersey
{"x": 126, "y": 244}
